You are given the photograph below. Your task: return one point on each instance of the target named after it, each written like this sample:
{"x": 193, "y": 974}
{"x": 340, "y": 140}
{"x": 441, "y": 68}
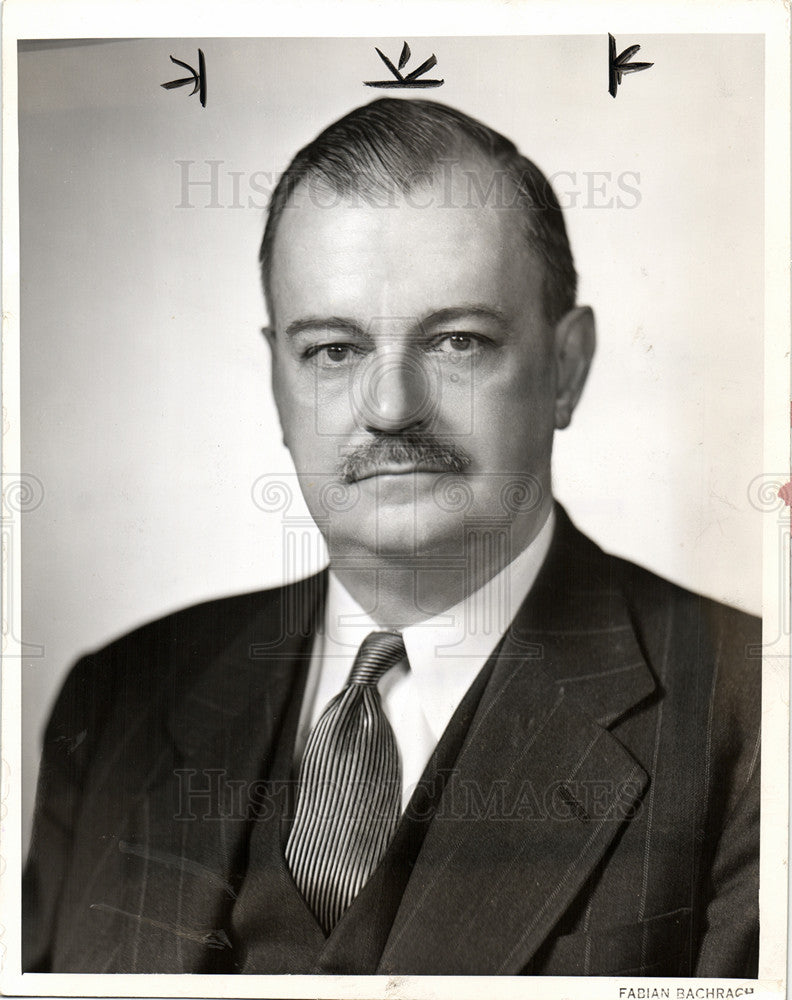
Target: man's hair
{"x": 403, "y": 144}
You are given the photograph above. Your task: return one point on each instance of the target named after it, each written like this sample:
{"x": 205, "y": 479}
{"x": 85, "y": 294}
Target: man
{"x": 477, "y": 745}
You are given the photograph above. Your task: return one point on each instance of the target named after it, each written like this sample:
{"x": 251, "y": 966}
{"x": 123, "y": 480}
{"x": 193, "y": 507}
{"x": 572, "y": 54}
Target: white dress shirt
{"x": 444, "y": 655}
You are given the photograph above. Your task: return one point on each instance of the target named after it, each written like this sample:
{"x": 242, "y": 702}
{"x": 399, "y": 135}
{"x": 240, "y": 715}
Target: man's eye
{"x": 332, "y": 354}
{"x": 457, "y": 343}
{"x": 337, "y": 352}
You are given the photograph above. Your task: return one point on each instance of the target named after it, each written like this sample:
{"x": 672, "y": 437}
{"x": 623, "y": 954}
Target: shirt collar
{"x": 446, "y": 652}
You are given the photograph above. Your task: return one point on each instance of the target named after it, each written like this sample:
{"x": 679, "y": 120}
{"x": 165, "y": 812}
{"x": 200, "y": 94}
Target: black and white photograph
{"x": 396, "y": 501}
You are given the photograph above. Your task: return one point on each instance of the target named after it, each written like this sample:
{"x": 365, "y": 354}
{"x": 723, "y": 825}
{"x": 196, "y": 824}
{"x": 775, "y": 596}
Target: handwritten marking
{"x": 179, "y": 863}
{"x": 198, "y": 78}
{"x": 211, "y": 938}
{"x": 70, "y": 743}
{"x": 409, "y": 82}
{"x": 619, "y": 65}
{"x": 577, "y": 808}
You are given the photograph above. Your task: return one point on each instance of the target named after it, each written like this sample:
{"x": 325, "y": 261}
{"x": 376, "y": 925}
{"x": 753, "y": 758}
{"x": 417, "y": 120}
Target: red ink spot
{"x": 786, "y": 494}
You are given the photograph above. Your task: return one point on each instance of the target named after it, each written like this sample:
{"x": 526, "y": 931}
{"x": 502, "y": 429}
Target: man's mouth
{"x": 399, "y": 469}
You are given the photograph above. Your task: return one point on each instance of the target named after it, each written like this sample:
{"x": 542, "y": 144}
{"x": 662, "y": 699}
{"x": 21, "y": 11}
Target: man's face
{"x": 414, "y": 372}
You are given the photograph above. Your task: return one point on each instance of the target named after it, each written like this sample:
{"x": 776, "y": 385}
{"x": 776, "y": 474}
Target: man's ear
{"x": 269, "y": 334}
{"x": 575, "y": 340}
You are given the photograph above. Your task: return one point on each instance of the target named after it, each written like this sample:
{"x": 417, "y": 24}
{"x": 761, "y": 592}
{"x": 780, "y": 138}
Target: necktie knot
{"x": 378, "y": 652}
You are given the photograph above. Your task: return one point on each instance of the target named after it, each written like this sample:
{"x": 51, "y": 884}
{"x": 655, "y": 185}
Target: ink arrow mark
{"x": 198, "y": 78}
{"x": 619, "y": 65}
{"x": 411, "y": 80}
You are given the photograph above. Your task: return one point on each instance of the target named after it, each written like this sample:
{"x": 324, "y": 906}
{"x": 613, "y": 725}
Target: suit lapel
{"x": 231, "y": 715}
{"x": 540, "y": 788}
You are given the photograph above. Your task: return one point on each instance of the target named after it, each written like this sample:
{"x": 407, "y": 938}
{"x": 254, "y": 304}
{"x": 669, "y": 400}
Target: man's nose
{"x": 394, "y": 392}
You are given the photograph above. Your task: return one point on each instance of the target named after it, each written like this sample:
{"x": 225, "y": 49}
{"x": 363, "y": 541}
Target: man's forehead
{"x": 454, "y": 228}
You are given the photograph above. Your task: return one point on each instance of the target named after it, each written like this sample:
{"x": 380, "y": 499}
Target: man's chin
{"x": 395, "y": 524}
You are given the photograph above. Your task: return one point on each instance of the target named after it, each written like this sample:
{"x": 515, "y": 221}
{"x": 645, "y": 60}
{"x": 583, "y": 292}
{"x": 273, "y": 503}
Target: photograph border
{"x": 25, "y": 19}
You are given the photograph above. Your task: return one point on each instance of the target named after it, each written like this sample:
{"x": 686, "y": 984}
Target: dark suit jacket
{"x": 601, "y": 817}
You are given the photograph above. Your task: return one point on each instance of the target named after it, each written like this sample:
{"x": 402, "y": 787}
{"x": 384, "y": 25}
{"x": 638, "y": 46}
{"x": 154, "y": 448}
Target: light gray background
{"x": 146, "y": 411}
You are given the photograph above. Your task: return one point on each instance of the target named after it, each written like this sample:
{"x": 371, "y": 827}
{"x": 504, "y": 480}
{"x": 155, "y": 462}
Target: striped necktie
{"x": 349, "y": 798}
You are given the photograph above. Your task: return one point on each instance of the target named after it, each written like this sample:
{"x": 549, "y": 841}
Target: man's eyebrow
{"x": 450, "y": 314}
{"x": 315, "y": 323}
{"x": 453, "y": 313}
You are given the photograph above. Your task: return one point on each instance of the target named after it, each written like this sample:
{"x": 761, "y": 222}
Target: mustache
{"x": 402, "y": 449}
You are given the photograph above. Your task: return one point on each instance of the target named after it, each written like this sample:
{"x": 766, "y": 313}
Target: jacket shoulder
{"x": 211, "y": 624}
{"x": 691, "y": 632}
{"x": 646, "y": 589}
{"x": 168, "y": 652}
{"x": 679, "y": 631}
